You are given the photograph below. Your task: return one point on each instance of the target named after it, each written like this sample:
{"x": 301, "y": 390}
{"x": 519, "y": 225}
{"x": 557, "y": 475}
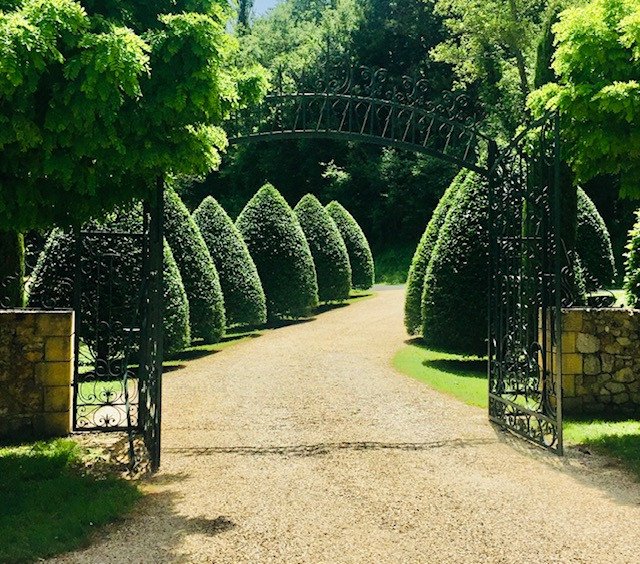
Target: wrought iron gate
{"x": 118, "y": 304}
{"x": 525, "y": 298}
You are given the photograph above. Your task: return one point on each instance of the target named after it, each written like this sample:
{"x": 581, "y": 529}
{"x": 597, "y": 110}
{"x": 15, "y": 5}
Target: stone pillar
{"x": 36, "y": 373}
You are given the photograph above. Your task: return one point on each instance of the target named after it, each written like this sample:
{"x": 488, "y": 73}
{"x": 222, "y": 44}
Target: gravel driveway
{"x": 304, "y": 445}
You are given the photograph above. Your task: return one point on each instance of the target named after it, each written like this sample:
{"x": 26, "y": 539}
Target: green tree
{"x": 360, "y": 256}
{"x": 329, "y": 252}
{"x": 199, "y": 275}
{"x": 422, "y": 256}
{"x": 281, "y": 254}
{"x": 100, "y": 99}
{"x": 454, "y": 300}
{"x": 597, "y": 64}
{"x": 244, "y": 298}
{"x": 632, "y": 265}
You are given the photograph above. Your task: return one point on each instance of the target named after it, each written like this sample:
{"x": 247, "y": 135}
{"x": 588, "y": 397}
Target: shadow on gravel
{"x": 324, "y": 448}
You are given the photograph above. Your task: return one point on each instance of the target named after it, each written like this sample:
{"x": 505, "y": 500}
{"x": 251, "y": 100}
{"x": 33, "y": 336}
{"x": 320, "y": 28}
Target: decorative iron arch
{"x": 364, "y": 104}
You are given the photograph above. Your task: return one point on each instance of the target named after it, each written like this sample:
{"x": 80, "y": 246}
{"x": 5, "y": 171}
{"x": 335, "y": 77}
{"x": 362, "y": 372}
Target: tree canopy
{"x": 99, "y": 98}
{"x": 597, "y": 63}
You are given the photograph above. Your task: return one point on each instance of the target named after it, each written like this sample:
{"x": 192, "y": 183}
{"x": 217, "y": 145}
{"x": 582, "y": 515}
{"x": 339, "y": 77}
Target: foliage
{"x": 632, "y": 265}
{"x": 12, "y": 269}
{"x": 593, "y": 245}
{"x": 51, "y": 284}
{"x": 100, "y": 98}
{"x": 388, "y": 191}
{"x": 492, "y": 43}
{"x": 360, "y": 257}
{"x": 454, "y": 301}
{"x": 422, "y": 256}
{"x": 392, "y": 263}
{"x": 199, "y": 275}
{"x": 177, "y": 332}
{"x": 49, "y": 504}
{"x": 244, "y": 298}
{"x": 281, "y": 254}
{"x": 597, "y": 62}
{"x": 328, "y": 249}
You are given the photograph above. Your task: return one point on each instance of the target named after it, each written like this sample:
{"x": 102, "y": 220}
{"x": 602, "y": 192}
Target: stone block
{"x": 624, "y": 341}
{"x": 54, "y": 324}
{"x": 57, "y": 399}
{"x": 572, "y": 363}
{"x": 624, "y": 375}
{"x": 615, "y": 387}
{"x": 54, "y": 373}
{"x": 620, "y": 398}
{"x": 58, "y": 349}
{"x": 613, "y": 348}
{"x": 568, "y": 385}
{"x": 569, "y": 341}
{"x": 587, "y": 344}
{"x": 591, "y": 365}
{"x": 607, "y": 362}
{"x": 53, "y": 424}
{"x": 572, "y": 320}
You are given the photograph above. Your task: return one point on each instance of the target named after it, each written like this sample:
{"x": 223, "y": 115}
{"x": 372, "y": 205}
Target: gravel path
{"x": 304, "y": 445}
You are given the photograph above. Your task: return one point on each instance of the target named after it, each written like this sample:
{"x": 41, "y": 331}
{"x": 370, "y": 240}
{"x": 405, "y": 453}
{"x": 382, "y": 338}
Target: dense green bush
{"x": 199, "y": 275}
{"x": 51, "y": 285}
{"x": 593, "y": 244}
{"x": 244, "y": 298}
{"x": 360, "y": 257}
{"x": 632, "y": 265}
{"x": 177, "y": 332}
{"x": 420, "y": 262}
{"x": 329, "y": 252}
{"x": 454, "y": 301}
{"x": 281, "y": 254}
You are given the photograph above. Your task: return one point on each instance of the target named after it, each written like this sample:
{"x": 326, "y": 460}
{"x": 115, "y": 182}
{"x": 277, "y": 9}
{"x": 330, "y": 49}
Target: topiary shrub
{"x": 593, "y": 245}
{"x": 632, "y": 265}
{"x": 360, "y": 257}
{"x": 329, "y": 252}
{"x": 244, "y": 299}
{"x": 454, "y": 300}
{"x": 177, "y": 332}
{"x": 199, "y": 275}
{"x": 281, "y": 254}
{"x": 52, "y": 285}
{"x": 418, "y": 269}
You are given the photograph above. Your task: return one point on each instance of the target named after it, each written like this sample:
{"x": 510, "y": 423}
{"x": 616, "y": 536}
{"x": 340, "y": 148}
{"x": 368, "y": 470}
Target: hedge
{"x": 418, "y": 269}
{"x": 360, "y": 257}
{"x": 244, "y": 298}
{"x": 281, "y": 254}
{"x": 52, "y": 285}
{"x": 328, "y": 249}
{"x": 199, "y": 275}
{"x": 454, "y": 300}
{"x": 632, "y": 265}
{"x": 593, "y": 244}
{"x": 177, "y": 332}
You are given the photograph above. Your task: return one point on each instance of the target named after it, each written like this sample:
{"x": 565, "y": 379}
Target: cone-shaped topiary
{"x": 593, "y": 245}
{"x": 418, "y": 270}
{"x": 454, "y": 301}
{"x": 177, "y": 333}
{"x": 327, "y": 248}
{"x": 51, "y": 285}
{"x": 244, "y": 298}
{"x": 632, "y": 265}
{"x": 199, "y": 275}
{"x": 360, "y": 257}
{"x": 281, "y": 254}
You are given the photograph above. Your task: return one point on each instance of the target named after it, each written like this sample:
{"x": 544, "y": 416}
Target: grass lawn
{"x": 466, "y": 379}
{"x": 50, "y": 504}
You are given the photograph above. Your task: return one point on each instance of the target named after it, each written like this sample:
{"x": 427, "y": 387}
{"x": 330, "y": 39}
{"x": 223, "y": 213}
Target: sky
{"x": 261, "y": 6}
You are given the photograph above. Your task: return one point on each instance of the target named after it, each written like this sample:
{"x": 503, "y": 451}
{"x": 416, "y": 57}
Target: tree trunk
{"x": 11, "y": 269}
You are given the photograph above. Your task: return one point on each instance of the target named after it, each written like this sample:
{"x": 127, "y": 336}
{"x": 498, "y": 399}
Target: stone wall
{"x": 601, "y": 361}
{"x": 36, "y": 371}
